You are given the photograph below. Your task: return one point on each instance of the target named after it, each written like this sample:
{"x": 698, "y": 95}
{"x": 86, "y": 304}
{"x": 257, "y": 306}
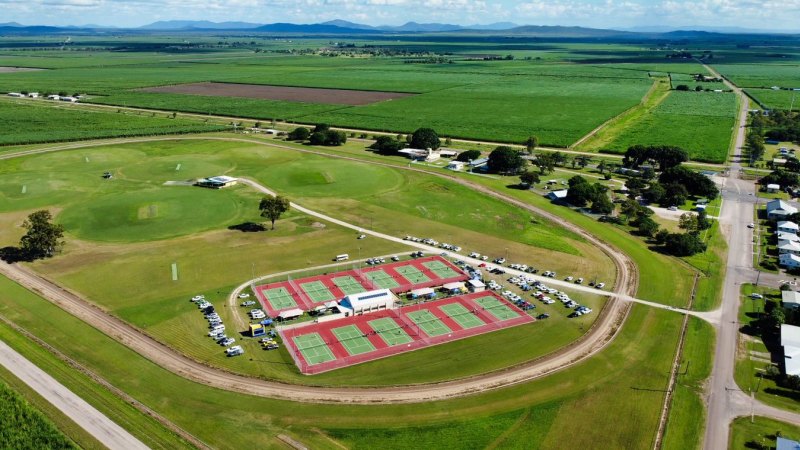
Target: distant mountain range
{"x": 343, "y": 27}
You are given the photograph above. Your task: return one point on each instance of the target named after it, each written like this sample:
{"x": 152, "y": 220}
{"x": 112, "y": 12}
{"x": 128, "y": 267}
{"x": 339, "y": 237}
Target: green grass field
{"x": 31, "y": 122}
{"x": 699, "y": 122}
{"x": 25, "y": 427}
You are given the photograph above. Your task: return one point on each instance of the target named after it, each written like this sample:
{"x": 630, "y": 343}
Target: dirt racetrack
{"x": 284, "y": 93}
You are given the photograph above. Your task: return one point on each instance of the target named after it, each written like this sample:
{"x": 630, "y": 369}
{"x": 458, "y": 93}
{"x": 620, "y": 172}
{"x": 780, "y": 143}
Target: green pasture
{"x": 775, "y": 99}
{"x": 700, "y": 122}
{"x": 640, "y": 359}
{"x": 762, "y": 75}
{"x": 23, "y": 426}
{"x": 27, "y": 122}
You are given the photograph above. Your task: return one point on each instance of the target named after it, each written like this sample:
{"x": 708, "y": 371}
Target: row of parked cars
{"x": 216, "y": 327}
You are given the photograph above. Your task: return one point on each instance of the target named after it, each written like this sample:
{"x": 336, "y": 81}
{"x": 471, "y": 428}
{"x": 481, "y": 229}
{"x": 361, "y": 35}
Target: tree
{"x": 469, "y": 155}
{"x": 425, "y": 138}
{"x": 667, "y": 156}
{"x": 317, "y": 138}
{"x": 335, "y": 138}
{"x": 688, "y": 222}
{"x": 635, "y": 185}
{"x": 602, "y": 166}
{"x": 694, "y": 182}
{"x": 299, "y": 134}
{"x": 681, "y": 87}
{"x": 530, "y": 144}
{"x": 321, "y": 127}
{"x": 545, "y": 162}
{"x": 602, "y": 204}
{"x": 777, "y": 317}
{"x": 647, "y": 226}
{"x": 661, "y": 237}
{"x": 504, "y": 159}
{"x": 655, "y": 193}
{"x": 630, "y": 209}
{"x": 674, "y": 194}
{"x": 635, "y": 156}
{"x": 781, "y": 177}
{"x": 273, "y": 207}
{"x": 43, "y": 238}
{"x": 703, "y": 222}
{"x": 387, "y": 145}
{"x": 683, "y": 244}
{"x": 529, "y": 177}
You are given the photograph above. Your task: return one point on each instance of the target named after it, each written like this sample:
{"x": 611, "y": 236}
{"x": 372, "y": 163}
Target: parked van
{"x": 343, "y": 257}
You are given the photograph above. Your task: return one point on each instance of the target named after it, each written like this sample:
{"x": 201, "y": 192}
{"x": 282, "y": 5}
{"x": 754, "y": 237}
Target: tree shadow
{"x": 14, "y": 254}
{"x": 248, "y": 227}
{"x": 783, "y": 393}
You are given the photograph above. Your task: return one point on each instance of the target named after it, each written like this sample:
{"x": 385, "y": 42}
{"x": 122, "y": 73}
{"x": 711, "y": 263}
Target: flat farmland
{"x": 700, "y": 122}
{"x": 762, "y": 75}
{"x": 285, "y": 93}
{"x": 29, "y": 123}
{"x": 492, "y": 100}
{"x": 775, "y": 99}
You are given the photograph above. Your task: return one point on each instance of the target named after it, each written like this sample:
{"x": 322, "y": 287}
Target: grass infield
{"x": 353, "y": 340}
{"x": 317, "y": 291}
{"x": 440, "y": 269}
{"x": 280, "y": 298}
{"x": 348, "y": 285}
{"x": 313, "y": 348}
{"x": 496, "y": 308}
{"x": 390, "y": 331}
{"x": 412, "y": 274}
{"x": 382, "y": 279}
{"x": 464, "y": 317}
{"x": 429, "y": 323}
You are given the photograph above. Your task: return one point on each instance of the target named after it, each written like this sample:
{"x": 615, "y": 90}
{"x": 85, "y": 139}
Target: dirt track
{"x": 601, "y": 333}
{"x": 285, "y": 93}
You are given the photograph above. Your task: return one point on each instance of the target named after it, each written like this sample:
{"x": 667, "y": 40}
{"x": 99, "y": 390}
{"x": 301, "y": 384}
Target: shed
{"x": 557, "y": 195}
{"x": 476, "y": 285}
{"x": 217, "y": 182}
{"x": 422, "y": 292}
{"x": 456, "y": 285}
{"x": 290, "y": 314}
{"x": 790, "y": 299}
{"x": 773, "y": 187}
{"x": 479, "y": 162}
{"x": 790, "y": 340}
{"x": 456, "y": 165}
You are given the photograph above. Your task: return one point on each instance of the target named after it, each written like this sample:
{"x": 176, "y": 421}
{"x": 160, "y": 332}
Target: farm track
{"x": 602, "y": 333}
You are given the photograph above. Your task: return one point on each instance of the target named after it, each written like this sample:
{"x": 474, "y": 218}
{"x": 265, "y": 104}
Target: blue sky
{"x": 766, "y": 14}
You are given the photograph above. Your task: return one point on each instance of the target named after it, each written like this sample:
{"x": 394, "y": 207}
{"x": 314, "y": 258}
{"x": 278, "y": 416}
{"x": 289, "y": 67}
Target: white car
{"x": 234, "y": 351}
{"x": 673, "y": 208}
{"x": 751, "y": 225}
{"x": 362, "y": 236}
{"x": 244, "y": 295}
{"x": 600, "y": 285}
{"x": 198, "y": 298}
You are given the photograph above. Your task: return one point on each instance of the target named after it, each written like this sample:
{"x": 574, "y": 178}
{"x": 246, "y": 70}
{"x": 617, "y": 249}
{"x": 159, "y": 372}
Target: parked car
{"x": 244, "y": 295}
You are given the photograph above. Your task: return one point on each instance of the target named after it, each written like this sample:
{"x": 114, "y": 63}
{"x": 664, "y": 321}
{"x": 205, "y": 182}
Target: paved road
{"x": 725, "y": 400}
{"x": 85, "y": 415}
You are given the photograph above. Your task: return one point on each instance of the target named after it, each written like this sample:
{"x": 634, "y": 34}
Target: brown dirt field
{"x": 290, "y": 94}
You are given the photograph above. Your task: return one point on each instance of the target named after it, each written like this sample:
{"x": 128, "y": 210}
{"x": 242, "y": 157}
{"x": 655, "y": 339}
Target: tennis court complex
{"x": 313, "y": 348}
{"x": 428, "y": 322}
{"x": 279, "y": 298}
{"x": 441, "y": 269}
{"x": 382, "y": 279}
{"x": 323, "y": 346}
{"x": 353, "y": 340}
{"x": 496, "y": 307}
{"x": 412, "y": 274}
{"x": 348, "y": 285}
{"x": 461, "y": 315}
{"x": 317, "y": 291}
{"x": 390, "y": 331}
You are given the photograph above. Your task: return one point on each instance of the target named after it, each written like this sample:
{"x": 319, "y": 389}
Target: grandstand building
{"x": 369, "y": 301}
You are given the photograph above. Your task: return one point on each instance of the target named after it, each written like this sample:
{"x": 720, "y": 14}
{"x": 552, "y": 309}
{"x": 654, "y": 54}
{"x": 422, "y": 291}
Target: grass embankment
{"x": 627, "y": 378}
{"x": 25, "y": 426}
{"x": 611, "y": 130}
{"x": 761, "y": 433}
